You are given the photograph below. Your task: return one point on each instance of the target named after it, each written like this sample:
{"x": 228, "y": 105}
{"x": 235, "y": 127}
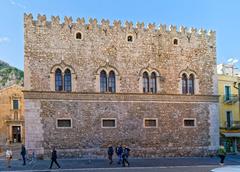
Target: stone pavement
{"x": 138, "y": 162}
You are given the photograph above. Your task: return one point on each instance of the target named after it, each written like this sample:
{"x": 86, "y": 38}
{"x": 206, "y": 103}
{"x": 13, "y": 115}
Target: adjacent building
{"x": 88, "y": 85}
{"x": 12, "y": 128}
{"x": 228, "y": 88}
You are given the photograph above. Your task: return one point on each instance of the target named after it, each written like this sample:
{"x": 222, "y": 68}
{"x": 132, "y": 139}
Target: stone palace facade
{"x": 91, "y": 84}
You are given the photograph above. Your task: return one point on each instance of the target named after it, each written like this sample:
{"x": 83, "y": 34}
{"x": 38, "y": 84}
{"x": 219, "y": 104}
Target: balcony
{"x": 233, "y": 125}
{"x": 230, "y": 99}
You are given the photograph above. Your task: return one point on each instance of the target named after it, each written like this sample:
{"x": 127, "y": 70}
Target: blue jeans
{"x": 120, "y": 159}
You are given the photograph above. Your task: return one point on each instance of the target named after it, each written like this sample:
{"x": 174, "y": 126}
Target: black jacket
{"x": 110, "y": 150}
{"x": 125, "y": 152}
{"x": 23, "y": 151}
{"x": 54, "y": 155}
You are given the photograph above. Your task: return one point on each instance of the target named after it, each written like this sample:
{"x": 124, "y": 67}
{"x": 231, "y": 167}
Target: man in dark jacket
{"x": 23, "y": 153}
{"x": 125, "y": 155}
{"x": 110, "y": 154}
{"x": 119, "y": 151}
{"x": 54, "y": 158}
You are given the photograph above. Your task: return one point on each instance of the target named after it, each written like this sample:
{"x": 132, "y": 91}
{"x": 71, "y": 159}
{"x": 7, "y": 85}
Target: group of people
{"x": 122, "y": 153}
{"x": 9, "y": 156}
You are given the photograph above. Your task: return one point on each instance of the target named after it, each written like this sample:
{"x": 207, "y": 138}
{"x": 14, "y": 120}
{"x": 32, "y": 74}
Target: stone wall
{"x": 51, "y": 43}
{"x": 87, "y": 137}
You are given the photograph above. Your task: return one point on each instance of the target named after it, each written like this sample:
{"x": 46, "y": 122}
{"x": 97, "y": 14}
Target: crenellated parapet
{"x": 104, "y": 24}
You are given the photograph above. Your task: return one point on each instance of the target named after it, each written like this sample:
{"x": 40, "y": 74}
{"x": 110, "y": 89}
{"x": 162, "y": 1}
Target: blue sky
{"x": 221, "y": 16}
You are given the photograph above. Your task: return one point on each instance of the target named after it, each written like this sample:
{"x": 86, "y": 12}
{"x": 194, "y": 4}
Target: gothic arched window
{"x": 111, "y": 82}
{"x": 153, "y": 82}
{"x": 184, "y": 84}
{"x": 58, "y": 80}
{"x": 67, "y": 80}
{"x": 145, "y": 82}
{"x": 191, "y": 84}
{"x": 103, "y": 81}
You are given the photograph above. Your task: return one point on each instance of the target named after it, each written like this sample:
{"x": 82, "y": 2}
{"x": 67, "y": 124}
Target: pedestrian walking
{"x": 9, "y": 157}
{"x": 119, "y": 151}
{"x": 32, "y": 160}
{"x": 23, "y": 154}
{"x": 125, "y": 155}
{"x": 222, "y": 154}
{"x": 110, "y": 154}
{"x": 54, "y": 158}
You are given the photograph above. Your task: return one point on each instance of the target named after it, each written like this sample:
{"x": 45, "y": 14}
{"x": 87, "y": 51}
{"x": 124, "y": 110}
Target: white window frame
{"x": 18, "y": 103}
{"x": 102, "y": 119}
{"x": 195, "y": 122}
{"x": 63, "y": 119}
{"x": 144, "y": 119}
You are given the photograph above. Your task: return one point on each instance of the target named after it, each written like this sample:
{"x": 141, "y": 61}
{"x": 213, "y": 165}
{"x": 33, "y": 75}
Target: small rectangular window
{"x": 109, "y": 123}
{"x": 15, "y": 104}
{"x": 64, "y": 123}
{"x": 189, "y": 123}
{"x": 150, "y": 123}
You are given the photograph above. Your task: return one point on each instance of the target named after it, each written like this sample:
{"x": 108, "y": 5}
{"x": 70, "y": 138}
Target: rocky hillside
{"x": 9, "y": 75}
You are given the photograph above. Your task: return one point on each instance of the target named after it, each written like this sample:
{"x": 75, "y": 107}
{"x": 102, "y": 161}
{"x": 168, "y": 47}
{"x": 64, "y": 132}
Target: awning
{"x": 231, "y": 134}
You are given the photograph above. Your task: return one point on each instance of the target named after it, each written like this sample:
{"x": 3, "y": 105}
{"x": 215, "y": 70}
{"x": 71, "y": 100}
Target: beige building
{"x": 12, "y": 128}
{"x": 92, "y": 84}
{"x": 229, "y": 91}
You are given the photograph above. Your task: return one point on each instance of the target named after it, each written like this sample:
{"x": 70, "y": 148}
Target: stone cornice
{"x": 51, "y": 95}
{"x": 12, "y": 121}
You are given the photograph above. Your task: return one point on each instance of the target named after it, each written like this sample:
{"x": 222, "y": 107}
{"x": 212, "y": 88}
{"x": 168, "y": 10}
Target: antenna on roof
{"x": 232, "y": 61}
{"x": 231, "y": 65}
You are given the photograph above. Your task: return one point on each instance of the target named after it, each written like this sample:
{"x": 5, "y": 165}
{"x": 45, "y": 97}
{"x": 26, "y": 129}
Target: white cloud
{"x": 17, "y": 4}
{"x": 4, "y": 40}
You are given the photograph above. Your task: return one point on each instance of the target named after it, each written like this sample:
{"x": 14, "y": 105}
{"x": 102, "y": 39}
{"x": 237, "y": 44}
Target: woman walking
{"x": 8, "y": 157}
